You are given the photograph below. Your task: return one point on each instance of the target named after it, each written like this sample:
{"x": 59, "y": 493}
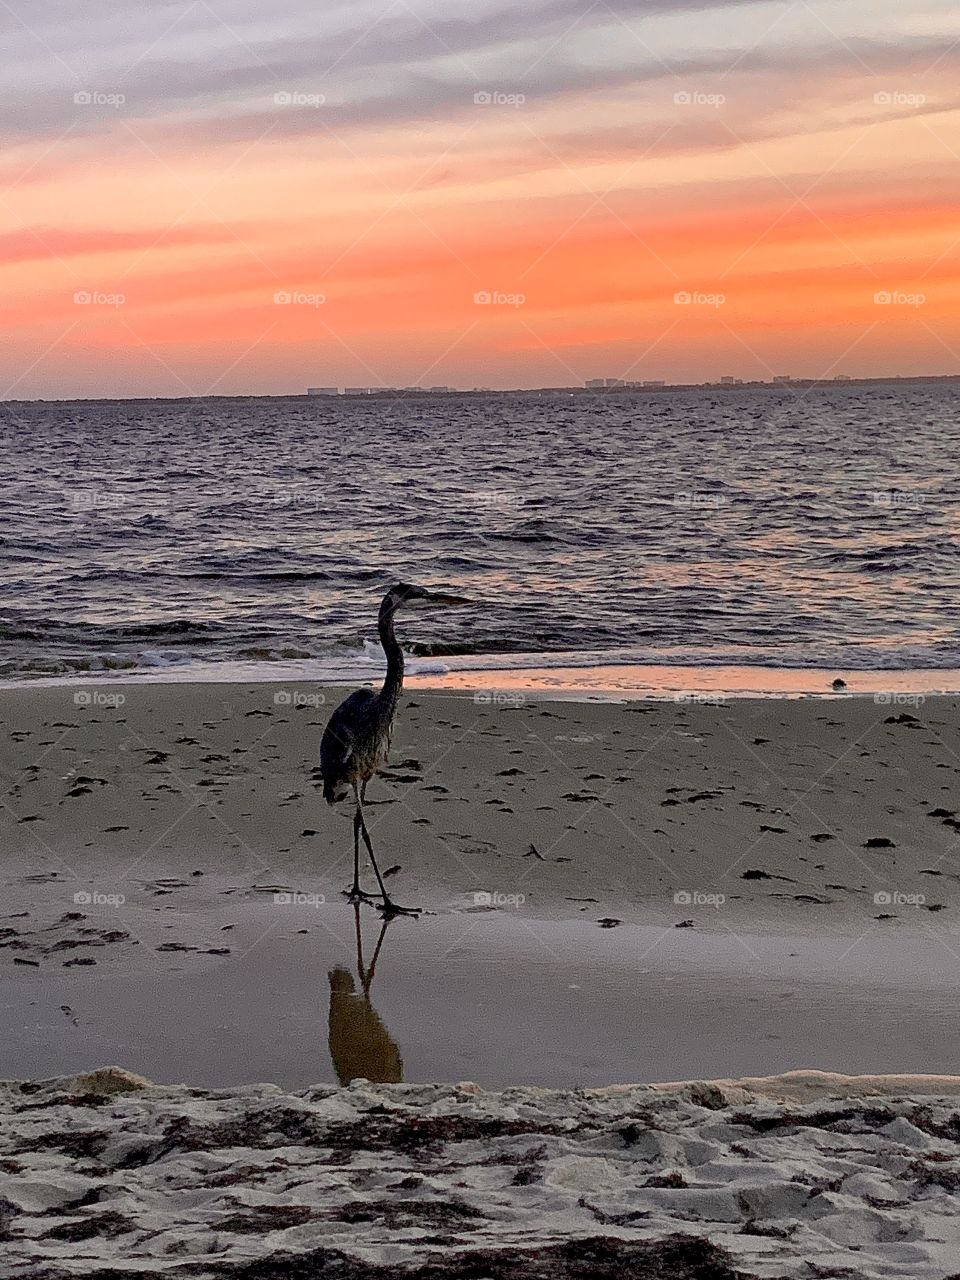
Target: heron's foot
{"x": 356, "y": 894}
{"x": 388, "y": 909}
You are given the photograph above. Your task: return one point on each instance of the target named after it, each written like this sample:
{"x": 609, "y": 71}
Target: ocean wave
{"x": 366, "y": 662}
{"x": 527, "y": 531}
{"x": 891, "y": 557}
{"x": 276, "y": 575}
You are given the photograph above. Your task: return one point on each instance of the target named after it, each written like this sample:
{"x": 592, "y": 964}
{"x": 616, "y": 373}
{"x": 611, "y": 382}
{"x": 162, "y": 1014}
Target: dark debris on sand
{"x": 437, "y": 1182}
{"x": 594, "y": 1258}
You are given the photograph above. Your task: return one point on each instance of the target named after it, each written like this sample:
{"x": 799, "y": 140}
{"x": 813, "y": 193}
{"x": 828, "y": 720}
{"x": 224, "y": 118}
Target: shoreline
{"x": 396, "y": 393}
{"x": 479, "y": 675}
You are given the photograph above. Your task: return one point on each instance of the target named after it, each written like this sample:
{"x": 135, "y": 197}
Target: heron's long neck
{"x": 390, "y": 693}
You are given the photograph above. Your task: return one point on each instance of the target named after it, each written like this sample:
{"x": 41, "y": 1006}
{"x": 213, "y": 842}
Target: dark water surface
{"x": 814, "y": 528}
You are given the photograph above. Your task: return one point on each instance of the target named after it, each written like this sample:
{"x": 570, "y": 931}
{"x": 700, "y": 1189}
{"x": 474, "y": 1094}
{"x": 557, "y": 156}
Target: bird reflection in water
{"x": 360, "y": 1044}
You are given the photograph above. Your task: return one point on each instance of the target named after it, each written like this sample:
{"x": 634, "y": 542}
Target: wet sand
{"x": 612, "y": 892}
{"x": 632, "y": 680}
{"x": 561, "y": 1004}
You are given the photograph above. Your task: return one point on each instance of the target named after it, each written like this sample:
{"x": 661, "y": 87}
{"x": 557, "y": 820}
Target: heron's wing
{"x": 342, "y": 732}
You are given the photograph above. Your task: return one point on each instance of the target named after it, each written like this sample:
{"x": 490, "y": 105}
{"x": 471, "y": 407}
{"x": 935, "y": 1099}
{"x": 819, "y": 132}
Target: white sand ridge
{"x": 791, "y": 1176}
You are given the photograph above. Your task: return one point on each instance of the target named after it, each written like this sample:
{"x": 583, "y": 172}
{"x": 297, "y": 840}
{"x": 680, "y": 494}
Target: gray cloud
{"x": 149, "y": 66}
{"x": 394, "y": 71}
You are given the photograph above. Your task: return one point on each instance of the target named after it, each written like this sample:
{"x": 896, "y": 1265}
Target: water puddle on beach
{"x": 491, "y": 996}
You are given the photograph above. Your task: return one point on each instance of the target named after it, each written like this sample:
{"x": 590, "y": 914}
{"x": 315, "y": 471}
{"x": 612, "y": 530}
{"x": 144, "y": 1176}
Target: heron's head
{"x": 404, "y": 594}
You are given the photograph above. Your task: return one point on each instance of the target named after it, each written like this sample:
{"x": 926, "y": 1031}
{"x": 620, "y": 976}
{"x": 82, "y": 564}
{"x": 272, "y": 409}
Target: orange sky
{"x": 198, "y": 200}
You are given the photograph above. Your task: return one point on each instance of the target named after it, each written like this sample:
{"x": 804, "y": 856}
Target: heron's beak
{"x": 441, "y": 597}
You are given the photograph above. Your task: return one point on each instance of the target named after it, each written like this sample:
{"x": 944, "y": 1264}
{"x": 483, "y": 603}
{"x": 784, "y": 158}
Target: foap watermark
{"x": 95, "y": 98}
{"x": 897, "y": 498}
{"x": 497, "y": 298}
{"x": 699, "y": 499}
{"x": 497, "y": 98}
{"x": 94, "y": 898}
{"x": 497, "y": 498}
{"x": 96, "y": 498}
{"x": 296, "y": 498}
{"x": 898, "y": 98}
{"x": 696, "y": 298}
{"x": 299, "y": 900}
{"x": 698, "y": 898}
{"x": 897, "y": 898}
{"x": 697, "y": 98}
{"x": 899, "y": 699}
{"x": 297, "y": 698}
{"x": 481, "y": 898}
{"x": 701, "y": 700}
{"x": 297, "y": 98}
{"x": 96, "y": 298}
{"x": 298, "y": 298}
{"x": 499, "y": 698}
{"x": 898, "y": 298}
{"x": 98, "y": 698}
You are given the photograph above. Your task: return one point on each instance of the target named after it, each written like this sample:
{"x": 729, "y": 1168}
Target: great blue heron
{"x": 357, "y": 737}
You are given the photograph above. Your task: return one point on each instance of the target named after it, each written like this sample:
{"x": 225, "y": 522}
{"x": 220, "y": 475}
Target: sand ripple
{"x": 108, "y": 1175}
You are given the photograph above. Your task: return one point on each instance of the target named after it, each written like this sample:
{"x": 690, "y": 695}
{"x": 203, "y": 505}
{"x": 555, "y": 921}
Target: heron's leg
{"x": 356, "y": 894}
{"x": 390, "y": 908}
{"x": 368, "y": 976}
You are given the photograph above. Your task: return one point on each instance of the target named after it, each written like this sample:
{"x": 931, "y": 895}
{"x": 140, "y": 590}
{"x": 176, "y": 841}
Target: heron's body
{"x": 354, "y": 744}
{"x": 357, "y": 737}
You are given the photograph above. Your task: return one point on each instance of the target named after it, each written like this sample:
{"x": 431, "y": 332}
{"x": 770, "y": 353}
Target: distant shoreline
{"x": 392, "y": 393}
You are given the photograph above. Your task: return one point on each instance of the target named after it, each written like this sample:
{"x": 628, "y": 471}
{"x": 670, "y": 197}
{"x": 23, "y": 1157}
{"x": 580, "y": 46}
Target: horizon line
{"x": 614, "y": 386}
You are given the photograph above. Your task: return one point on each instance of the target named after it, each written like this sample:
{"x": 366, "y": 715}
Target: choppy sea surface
{"x": 813, "y": 529}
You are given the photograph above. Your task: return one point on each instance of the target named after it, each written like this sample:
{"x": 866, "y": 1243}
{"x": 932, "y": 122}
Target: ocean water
{"x": 814, "y": 528}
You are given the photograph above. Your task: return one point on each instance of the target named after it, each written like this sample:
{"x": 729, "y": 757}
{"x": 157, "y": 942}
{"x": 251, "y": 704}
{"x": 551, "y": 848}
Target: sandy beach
{"x": 613, "y": 894}
{"x": 827, "y": 816}
{"x": 789, "y": 865}
{"x": 786, "y": 1178}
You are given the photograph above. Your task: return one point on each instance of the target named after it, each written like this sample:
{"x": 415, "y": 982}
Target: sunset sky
{"x": 169, "y": 170}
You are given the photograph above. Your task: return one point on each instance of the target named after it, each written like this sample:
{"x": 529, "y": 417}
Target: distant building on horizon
{"x": 323, "y": 391}
{"x": 782, "y": 377}
{"x": 729, "y": 381}
{"x": 658, "y": 383}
